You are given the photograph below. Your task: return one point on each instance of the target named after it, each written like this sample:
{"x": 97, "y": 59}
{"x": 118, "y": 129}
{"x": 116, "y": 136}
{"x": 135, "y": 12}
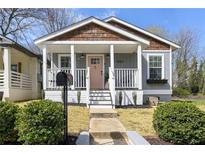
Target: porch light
{"x": 82, "y": 56}
{"x": 108, "y": 55}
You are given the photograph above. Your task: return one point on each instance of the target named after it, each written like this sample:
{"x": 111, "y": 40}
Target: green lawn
{"x": 139, "y": 120}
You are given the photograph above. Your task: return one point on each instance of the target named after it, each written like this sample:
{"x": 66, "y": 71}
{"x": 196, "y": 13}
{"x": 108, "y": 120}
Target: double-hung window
{"x": 155, "y": 69}
{"x": 64, "y": 61}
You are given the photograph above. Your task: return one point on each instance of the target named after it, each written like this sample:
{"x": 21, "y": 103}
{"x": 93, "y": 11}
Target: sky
{"x": 172, "y": 19}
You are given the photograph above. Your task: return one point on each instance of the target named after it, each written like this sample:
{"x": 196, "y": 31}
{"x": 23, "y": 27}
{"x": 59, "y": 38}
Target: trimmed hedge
{"x": 180, "y": 123}
{"x": 40, "y": 122}
{"x": 8, "y": 112}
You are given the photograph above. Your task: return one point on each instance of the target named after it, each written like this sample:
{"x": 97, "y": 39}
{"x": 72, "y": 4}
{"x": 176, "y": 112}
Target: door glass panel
{"x": 95, "y": 61}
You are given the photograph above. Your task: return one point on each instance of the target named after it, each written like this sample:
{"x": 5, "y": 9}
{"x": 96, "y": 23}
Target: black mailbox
{"x": 61, "y": 79}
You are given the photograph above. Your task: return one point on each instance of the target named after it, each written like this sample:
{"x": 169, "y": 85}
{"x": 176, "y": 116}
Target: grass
{"x": 78, "y": 119}
{"x": 139, "y": 120}
{"x": 200, "y": 103}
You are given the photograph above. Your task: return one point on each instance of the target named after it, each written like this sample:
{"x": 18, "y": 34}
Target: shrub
{"x": 41, "y": 122}
{"x": 8, "y": 113}
{"x": 180, "y": 123}
{"x": 79, "y": 96}
{"x": 194, "y": 90}
{"x": 180, "y": 92}
{"x": 120, "y": 98}
{"x": 134, "y": 97}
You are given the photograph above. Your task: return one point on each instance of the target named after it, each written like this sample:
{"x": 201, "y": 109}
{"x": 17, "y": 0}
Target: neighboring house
{"x": 19, "y": 72}
{"x": 106, "y": 57}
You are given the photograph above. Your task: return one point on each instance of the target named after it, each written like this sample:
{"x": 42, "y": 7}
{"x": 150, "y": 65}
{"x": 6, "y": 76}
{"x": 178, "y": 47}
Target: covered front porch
{"x": 100, "y": 63}
{"x": 95, "y": 65}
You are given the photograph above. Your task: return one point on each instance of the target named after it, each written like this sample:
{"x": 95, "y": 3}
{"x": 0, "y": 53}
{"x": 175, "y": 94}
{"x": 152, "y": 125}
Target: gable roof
{"x": 176, "y": 46}
{"x": 87, "y": 21}
{"x": 5, "y": 41}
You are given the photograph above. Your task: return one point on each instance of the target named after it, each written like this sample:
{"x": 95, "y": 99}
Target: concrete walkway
{"x": 105, "y": 128}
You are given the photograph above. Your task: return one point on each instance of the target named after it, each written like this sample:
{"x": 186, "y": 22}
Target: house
{"x": 19, "y": 72}
{"x": 108, "y": 59}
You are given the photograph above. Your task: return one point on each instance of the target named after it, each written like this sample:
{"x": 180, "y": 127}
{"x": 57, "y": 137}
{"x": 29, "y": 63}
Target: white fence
{"x": 1, "y": 78}
{"x": 126, "y": 78}
{"x": 20, "y": 80}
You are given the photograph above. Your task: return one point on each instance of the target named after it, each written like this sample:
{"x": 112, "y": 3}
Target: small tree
{"x": 201, "y": 76}
{"x": 193, "y": 77}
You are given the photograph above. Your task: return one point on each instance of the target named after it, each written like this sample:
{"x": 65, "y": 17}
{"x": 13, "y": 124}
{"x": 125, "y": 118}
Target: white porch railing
{"x": 51, "y": 77}
{"x": 20, "y": 80}
{"x": 1, "y": 78}
{"x": 126, "y": 78}
{"x": 80, "y": 77}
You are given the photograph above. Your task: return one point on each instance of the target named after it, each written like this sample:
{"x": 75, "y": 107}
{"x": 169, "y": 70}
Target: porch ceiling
{"x": 97, "y": 48}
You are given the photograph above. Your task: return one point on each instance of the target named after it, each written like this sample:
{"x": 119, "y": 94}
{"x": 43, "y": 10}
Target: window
{"x": 155, "y": 70}
{"x": 64, "y": 61}
{"x": 14, "y": 67}
{"x": 95, "y": 61}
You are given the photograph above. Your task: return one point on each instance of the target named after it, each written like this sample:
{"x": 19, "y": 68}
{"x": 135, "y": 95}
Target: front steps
{"x": 100, "y": 99}
{"x": 106, "y": 129}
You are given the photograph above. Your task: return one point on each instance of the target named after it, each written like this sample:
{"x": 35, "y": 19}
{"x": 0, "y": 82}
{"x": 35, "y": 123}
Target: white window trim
{"x": 59, "y": 59}
{"x": 155, "y": 54}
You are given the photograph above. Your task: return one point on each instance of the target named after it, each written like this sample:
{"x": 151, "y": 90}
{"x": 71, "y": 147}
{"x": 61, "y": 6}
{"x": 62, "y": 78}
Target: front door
{"x": 96, "y": 72}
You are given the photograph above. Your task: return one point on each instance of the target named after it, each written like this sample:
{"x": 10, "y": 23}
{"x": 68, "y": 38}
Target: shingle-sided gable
{"x": 154, "y": 43}
{"x": 91, "y": 32}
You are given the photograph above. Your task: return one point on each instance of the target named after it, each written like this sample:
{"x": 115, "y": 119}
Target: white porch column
{"x": 7, "y": 72}
{"x": 44, "y": 67}
{"x": 72, "y": 65}
{"x": 112, "y": 63}
{"x": 52, "y": 61}
{"x": 139, "y": 65}
{"x": 112, "y": 73}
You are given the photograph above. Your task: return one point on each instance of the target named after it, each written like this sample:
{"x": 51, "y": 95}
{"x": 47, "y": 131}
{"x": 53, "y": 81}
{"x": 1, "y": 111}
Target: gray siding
{"x": 166, "y": 72}
{"x": 80, "y": 62}
{"x": 125, "y": 60}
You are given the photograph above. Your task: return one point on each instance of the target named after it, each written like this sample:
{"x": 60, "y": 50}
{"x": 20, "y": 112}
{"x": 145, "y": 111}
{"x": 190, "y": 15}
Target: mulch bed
{"x": 133, "y": 106}
{"x": 76, "y": 104}
{"x": 153, "y": 140}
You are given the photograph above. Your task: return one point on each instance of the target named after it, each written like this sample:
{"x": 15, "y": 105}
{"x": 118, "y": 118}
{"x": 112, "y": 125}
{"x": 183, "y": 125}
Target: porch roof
{"x": 92, "y": 48}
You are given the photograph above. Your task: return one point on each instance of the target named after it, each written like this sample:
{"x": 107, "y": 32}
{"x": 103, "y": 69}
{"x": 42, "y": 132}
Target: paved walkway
{"x": 105, "y": 128}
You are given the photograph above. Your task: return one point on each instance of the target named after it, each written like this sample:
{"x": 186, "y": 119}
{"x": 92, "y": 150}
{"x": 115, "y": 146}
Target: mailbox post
{"x": 65, "y": 80}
